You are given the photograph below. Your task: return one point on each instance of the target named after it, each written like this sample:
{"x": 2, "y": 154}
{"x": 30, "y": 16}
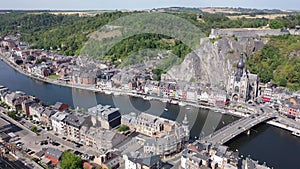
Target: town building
{"x": 198, "y": 155}
{"x": 108, "y": 116}
{"x": 151, "y": 125}
{"x": 291, "y": 107}
{"x": 242, "y": 85}
{"x": 166, "y": 145}
{"x": 15, "y": 99}
{"x": 135, "y": 160}
{"x": 108, "y": 160}
{"x": 8, "y": 44}
{"x": 42, "y": 70}
{"x": 60, "y": 106}
{"x": 85, "y": 76}
{"x": 165, "y": 137}
{"x": 25, "y": 105}
{"x": 100, "y": 138}
{"x": 74, "y": 122}
{"x": 58, "y": 124}
{"x": 3, "y": 90}
{"x": 36, "y": 110}
{"x": 45, "y": 117}
{"x": 53, "y": 155}
{"x": 129, "y": 120}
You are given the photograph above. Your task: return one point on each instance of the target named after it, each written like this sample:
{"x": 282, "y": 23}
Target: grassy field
{"x": 267, "y": 16}
{"x": 54, "y": 77}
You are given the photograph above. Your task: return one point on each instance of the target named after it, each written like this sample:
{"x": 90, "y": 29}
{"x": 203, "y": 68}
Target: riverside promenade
{"x": 115, "y": 91}
{"x": 280, "y": 121}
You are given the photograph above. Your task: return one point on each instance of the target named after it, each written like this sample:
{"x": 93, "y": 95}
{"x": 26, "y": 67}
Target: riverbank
{"x": 284, "y": 124}
{"x": 117, "y": 92}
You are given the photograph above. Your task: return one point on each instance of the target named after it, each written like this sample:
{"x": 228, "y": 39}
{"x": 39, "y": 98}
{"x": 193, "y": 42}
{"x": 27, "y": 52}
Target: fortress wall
{"x": 246, "y": 32}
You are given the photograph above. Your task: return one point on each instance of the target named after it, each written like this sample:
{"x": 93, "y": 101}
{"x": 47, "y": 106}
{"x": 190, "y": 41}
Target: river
{"x": 267, "y": 144}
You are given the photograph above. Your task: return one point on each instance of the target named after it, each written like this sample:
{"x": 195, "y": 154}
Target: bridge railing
{"x": 224, "y": 128}
{"x": 262, "y": 117}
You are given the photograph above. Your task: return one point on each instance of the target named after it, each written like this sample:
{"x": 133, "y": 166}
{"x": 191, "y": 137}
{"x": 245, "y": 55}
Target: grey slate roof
{"x": 74, "y": 120}
{"x": 54, "y": 152}
{"x": 48, "y": 112}
{"x": 151, "y": 160}
{"x": 57, "y": 105}
{"x": 40, "y": 153}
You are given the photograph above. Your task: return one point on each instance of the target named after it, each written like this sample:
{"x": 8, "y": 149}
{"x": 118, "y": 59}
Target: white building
{"x": 58, "y": 125}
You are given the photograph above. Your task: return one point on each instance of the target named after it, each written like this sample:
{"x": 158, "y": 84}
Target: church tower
{"x": 185, "y": 125}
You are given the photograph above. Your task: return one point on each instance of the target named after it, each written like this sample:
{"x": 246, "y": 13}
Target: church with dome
{"x": 242, "y": 86}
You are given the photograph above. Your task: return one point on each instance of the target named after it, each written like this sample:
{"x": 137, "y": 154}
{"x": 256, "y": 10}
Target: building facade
{"x": 108, "y": 116}
{"x": 58, "y": 125}
{"x": 242, "y": 85}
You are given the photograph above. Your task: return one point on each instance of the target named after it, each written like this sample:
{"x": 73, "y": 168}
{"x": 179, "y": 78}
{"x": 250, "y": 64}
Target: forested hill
{"x": 49, "y": 31}
{"x": 69, "y": 32}
{"x": 279, "y": 61}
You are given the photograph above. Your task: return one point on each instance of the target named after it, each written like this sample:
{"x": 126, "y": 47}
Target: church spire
{"x": 241, "y": 63}
{"x": 185, "y": 125}
{"x": 185, "y": 120}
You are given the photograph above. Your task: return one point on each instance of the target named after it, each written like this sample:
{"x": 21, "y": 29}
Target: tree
{"x": 123, "y": 128}
{"x": 282, "y": 82}
{"x": 12, "y": 114}
{"x": 30, "y": 58}
{"x": 39, "y": 61}
{"x": 265, "y": 76}
{"x": 275, "y": 24}
{"x": 70, "y": 161}
{"x": 33, "y": 128}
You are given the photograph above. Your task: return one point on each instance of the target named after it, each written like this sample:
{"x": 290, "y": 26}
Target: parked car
{"x": 55, "y": 143}
{"x": 21, "y": 143}
{"x": 19, "y": 146}
{"x": 32, "y": 152}
{"x": 85, "y": 156}
{"x": 77, "y": 153}
{"x": 78, "y": 145}
{"x": 45, "y": 142}
{"x": 27, "y": 150}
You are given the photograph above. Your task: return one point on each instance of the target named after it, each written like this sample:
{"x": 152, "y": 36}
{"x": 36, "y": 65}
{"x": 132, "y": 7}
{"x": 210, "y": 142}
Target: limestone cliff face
{"x": 212, "y": 63}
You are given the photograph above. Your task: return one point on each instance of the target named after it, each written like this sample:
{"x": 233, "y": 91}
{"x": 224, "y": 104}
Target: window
{"x": 236, "y": 89}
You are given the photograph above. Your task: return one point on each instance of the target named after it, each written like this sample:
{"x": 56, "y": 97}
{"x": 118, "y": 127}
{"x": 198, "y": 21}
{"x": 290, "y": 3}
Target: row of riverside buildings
{"x": 204, "y": 155}
{"x": 157, "y": 137}
{"x": 87, "y": 128}
{"x": 104, "y": 75}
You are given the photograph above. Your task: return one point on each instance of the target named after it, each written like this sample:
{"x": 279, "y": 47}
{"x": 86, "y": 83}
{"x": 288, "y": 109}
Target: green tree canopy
{"x": 278, "y": 60}
{"x": 70, "y": 161}
{"x": 33, "y": 128}
{"x": 12, "y": 114}
{"x": 276, "y": 24}
{"x": 123, "y": 128}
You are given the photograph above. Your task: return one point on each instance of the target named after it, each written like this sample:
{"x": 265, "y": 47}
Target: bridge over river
{"x": 230, "y": 131}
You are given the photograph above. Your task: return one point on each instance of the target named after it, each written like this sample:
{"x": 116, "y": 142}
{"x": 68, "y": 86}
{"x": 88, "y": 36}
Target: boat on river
{"x": 295, "y": 133}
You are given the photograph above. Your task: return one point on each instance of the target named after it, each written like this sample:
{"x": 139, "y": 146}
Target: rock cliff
{"x": 213, "y": 61}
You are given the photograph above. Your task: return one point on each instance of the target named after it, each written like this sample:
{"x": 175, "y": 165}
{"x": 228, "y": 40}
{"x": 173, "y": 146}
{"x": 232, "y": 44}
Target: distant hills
{"x": 66, "y": 32}
{"x": 227, "y": 10}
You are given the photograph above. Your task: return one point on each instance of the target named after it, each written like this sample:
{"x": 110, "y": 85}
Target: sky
{"x": 144, "y": 4}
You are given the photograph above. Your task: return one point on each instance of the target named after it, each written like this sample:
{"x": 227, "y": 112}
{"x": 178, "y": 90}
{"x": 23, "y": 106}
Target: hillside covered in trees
{"x": 279, "y": 61}
{"x": 67, "y": 34}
